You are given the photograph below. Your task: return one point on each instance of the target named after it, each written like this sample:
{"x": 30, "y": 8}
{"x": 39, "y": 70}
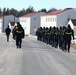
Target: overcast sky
{"x": 38, "y": 4}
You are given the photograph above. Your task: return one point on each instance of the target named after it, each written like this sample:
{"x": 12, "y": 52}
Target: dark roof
{"x": 73, "y": 21}
{"x": 30, "y": 14}
{"x": 57, "y": 12}
{"x": 4, "y": 16}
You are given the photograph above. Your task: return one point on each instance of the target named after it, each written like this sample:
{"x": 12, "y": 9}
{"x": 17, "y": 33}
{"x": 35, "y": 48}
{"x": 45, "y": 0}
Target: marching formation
{"x": 56, "y": 37}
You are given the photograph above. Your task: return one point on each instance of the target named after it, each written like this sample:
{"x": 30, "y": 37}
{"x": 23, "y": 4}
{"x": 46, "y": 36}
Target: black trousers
{"x": 67, "y": 45}
{"x": 7, "y": 37}
{"x": 18, "y": 42}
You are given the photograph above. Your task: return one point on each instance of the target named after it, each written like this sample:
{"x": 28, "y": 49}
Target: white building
{"x": 0, "y": 25}
{"x": 58, "y": 17}
{"x": 31, "y": 22}
{"x": 72, "y": 23}
{"x": 7, "y": 20}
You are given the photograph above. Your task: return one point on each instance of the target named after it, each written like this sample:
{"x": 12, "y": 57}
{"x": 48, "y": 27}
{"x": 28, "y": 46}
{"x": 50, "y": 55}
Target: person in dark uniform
{"x": 56, "y": 37}
{"x": 7, "y": 31}
{"x": 68, "y": 33}
{"x": 18, "y": 34}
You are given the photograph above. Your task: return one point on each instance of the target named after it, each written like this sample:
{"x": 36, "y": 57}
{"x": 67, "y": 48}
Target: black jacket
{"x": 68, "y": 34}
{"x": 7, "y": 30}
{"x": 18, "y": 32}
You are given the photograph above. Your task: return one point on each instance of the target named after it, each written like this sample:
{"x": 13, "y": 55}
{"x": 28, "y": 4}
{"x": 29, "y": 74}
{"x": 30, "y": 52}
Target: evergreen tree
{"x": 43, "y": 10}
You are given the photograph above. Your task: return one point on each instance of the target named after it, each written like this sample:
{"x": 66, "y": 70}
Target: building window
{"x": 46, "y": 19}
{"x": 34, "y": 18}
{"x": 55, "y": 19}
{"x": 68, "y": 17}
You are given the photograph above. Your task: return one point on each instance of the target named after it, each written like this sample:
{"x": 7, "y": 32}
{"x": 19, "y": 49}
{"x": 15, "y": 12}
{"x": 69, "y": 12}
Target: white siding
{"x": 6, "y": 20}
{"x": 71, "y": 24}
{"x": 48, "y": 21}
{"x": 35, "y": 22}
{"x": 0, "y": 25}
{"x": 31, "y": 22}
{"x": 74, "y": 30}
{"x": 62, "y": 19}
{"x": 25, "y": 22}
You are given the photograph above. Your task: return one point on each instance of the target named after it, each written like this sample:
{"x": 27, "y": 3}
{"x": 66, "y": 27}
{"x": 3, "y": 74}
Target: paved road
{"x": 34, "y": 58}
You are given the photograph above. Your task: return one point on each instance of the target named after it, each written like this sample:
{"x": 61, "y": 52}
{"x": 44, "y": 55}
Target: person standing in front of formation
{"x": 18, "y": 34}
{"x": 7, "y": 31}
{"x": 68, "y": 33}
